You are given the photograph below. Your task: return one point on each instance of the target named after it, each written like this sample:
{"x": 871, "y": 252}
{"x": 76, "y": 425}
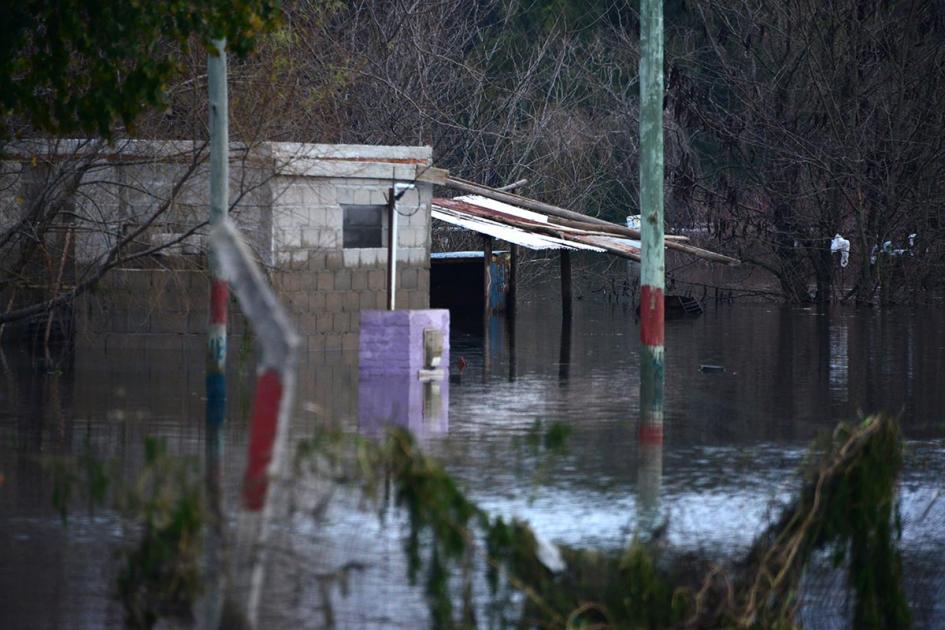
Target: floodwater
{"x": 733, "y": 442}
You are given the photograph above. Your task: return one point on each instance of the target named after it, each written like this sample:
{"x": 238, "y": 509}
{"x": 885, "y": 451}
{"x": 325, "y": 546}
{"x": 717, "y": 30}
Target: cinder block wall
{"x": 288, "y": 201}
{"x": 325, "y": 285}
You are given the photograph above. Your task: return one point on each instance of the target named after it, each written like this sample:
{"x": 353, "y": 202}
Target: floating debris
{"x": 707, "y": 368}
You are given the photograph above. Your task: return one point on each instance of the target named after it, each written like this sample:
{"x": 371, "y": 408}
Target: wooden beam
{"x": 518, "y": 200}
{"x": 513, "y": 185}
{"x": 486, "y": 273}
{"x": 432, "y": 175}
{"x": 608, "y": 230}
{"x": 576, "y": 217}
{"x": 565, "y": 258}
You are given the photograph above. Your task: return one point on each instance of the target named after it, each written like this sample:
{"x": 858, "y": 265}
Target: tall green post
{"x": 651, "y": 224}
{"x": 219, "y": 203}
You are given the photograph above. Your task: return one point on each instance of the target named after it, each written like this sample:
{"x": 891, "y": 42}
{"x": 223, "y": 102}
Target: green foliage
{"x": 847, "y": 504}
{"x": 81, "y": 65}
{"x": 553, "y": 440}
{"x": 160, "y": 576}
{"x": 92, "y": 475}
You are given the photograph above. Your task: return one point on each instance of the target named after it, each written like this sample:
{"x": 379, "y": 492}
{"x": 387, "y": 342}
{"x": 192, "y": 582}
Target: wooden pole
{"x": 522, "y": 202}
{"x": 652, "y": 271}
{"x": 516, "y": 184}
{"x": 391, "y": 249}
{"x": 512, "y": 295}
{"x": 219, "y": 203}
{"x": 565, "y": 259}
{"x": 486, "y": 307}
{"x": 487, "y": 273}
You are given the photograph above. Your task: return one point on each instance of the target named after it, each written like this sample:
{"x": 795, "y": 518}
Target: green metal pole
{"x": 219, "y": 203}
{"x": 651, "y": 210}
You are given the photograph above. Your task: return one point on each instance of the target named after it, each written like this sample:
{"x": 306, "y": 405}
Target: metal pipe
{"x": 391, "y": 249}
{"x": 652, "y": 271}
{"x": 219, "y": 203}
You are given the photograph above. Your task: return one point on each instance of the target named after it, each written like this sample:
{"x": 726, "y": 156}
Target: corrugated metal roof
{"x": 471, "y": 217}
{"x": 524, "y": 227}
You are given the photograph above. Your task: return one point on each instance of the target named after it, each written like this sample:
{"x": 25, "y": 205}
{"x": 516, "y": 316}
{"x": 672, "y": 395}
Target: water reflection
{"x": 214, "y": 567}
{"x": 405, "y": 400}
{"x": 733, "y": 443}
{"x": 839, "y": 359}
{"x": 649, "y": 485}
{"x": 564, "y": 354}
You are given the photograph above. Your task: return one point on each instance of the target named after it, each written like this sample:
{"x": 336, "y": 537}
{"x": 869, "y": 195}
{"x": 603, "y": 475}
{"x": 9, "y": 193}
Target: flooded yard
{"x": 734, "y": 440}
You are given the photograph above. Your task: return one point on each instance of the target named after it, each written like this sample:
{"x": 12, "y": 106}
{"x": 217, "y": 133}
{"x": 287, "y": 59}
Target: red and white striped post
{"x": 272, "y": 408}
{"x": 219, "y": 202}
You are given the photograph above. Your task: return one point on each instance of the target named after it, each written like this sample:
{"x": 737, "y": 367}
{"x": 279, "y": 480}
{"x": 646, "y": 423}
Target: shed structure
{"x": 523, "y": 222}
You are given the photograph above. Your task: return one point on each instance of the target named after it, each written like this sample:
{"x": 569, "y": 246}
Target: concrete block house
{"x": 314, "y": 214}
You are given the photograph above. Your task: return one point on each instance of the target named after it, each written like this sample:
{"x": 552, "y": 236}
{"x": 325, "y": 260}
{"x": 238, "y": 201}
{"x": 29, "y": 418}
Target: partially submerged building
{"x": 315, "y": 215}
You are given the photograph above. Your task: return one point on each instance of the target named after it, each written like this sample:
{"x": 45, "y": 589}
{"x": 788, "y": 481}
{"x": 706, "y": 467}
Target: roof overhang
{"x": 526, "y": 228}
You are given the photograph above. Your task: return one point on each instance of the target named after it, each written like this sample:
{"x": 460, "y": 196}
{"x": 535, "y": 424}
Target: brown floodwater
{"x": 733, "y": 442}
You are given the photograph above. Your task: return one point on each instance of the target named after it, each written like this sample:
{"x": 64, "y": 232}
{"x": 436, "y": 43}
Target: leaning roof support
{"x": 576, "y": 220}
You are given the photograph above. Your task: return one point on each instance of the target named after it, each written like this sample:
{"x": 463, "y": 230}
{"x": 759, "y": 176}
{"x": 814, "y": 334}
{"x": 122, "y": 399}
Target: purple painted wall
{"x": 391, "y": 342}
{"x": 390, "y": 356}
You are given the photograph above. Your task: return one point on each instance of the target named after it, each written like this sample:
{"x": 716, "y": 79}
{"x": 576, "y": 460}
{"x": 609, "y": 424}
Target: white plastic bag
{"x": 842, "y": 245}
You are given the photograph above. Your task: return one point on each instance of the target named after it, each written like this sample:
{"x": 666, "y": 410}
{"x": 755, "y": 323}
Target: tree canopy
{"x": 71, "y": 66}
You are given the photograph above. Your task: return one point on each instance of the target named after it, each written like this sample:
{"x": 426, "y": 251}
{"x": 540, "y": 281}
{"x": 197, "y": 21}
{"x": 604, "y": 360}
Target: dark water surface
{"x": 733, "y": 442}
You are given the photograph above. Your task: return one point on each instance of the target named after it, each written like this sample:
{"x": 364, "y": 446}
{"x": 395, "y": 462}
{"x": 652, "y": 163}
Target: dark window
{"x": 363, "y": 226}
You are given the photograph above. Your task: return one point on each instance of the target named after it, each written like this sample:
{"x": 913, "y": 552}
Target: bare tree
{"x": 825, "y": 119}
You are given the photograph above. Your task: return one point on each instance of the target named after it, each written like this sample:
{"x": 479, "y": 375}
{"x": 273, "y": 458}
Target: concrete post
{"x": 219, "y": 203}
{"x": 651, "y": 211}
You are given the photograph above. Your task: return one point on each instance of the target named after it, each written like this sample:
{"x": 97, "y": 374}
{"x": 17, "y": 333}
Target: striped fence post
{"x": 651, "y": 211}
{"x": 271, "y": 414}
{"x": 219, "y": 202}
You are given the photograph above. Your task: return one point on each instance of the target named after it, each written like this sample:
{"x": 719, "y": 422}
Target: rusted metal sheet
{"x": 527, "y": 228}
{"x": 506, "y": 227}
{"x": 625, "y": 245}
